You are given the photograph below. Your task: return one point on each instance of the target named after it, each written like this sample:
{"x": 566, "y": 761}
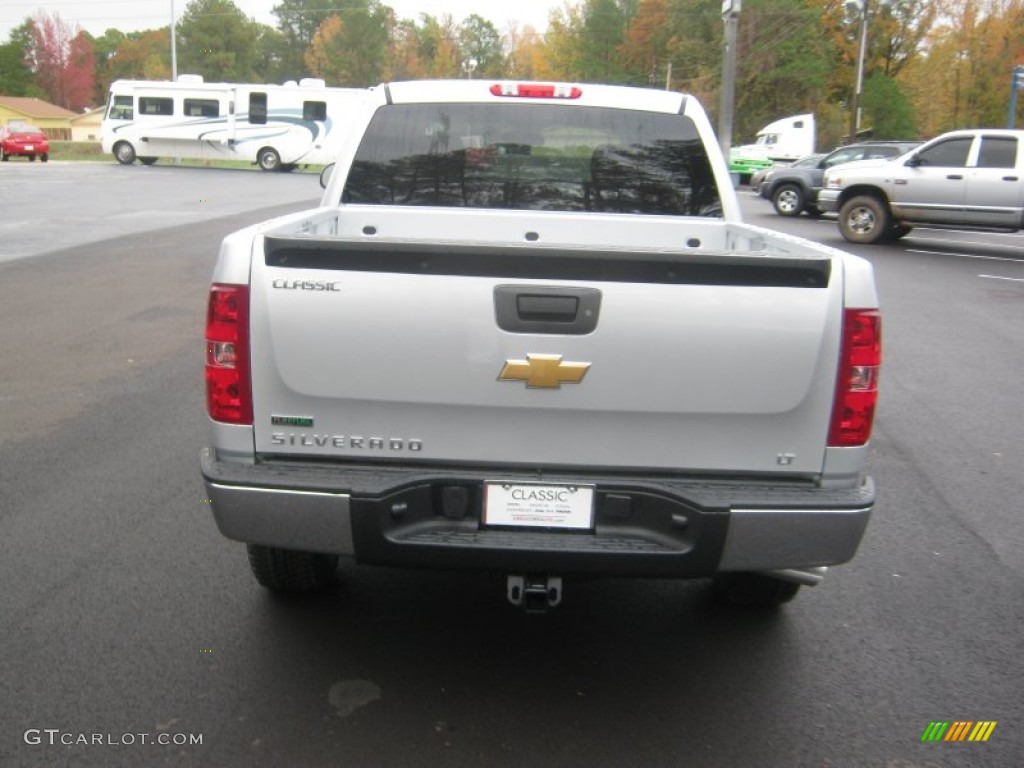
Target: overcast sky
{"x": 96, "y": 16}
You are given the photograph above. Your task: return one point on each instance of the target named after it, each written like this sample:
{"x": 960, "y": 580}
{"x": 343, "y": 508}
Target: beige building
{"x": 52, "y": 120}
{"x": 86, "y": 127}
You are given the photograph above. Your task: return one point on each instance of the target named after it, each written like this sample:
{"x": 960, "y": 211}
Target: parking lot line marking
{"x": 998, "y": 277}
{"x": 965, "y": 255}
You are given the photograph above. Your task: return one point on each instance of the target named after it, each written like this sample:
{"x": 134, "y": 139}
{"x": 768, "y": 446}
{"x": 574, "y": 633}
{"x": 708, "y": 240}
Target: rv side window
{"x": 314, "y": 110}
{"x": 202, "y": 108}
{"x": 154, "y": 105}
{"x": 121, "y": 108}
{"x": 258, "y": 108}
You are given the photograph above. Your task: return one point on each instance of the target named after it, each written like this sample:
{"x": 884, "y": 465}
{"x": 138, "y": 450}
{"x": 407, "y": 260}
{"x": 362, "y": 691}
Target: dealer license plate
{"x": 528, "y": 505}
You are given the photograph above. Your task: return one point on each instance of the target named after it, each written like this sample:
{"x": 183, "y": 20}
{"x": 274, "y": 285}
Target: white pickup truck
{"x": 968, "y": 179}
{"x": 526, "y": 332}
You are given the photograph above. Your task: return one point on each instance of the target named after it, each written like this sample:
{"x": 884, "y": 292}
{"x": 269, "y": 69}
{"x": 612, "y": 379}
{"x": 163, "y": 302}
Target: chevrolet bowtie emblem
{"x": 543, "y": 371}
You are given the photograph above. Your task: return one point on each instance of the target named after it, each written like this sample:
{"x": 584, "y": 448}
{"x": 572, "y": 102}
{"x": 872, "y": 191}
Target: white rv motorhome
{"x": 276, "y": 126}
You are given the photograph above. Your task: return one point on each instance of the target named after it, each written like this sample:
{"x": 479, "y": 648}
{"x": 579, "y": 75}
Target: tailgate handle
{"x": 554, "y": 309}
{"x": 546, "y": 309}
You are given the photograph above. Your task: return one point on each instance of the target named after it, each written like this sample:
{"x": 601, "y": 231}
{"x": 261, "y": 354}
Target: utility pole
{"x": 174, "y": 47}
{"x": 859, "y": 82}
{"x": 731, "y": 17}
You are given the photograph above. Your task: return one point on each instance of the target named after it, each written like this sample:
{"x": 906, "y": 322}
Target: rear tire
{"x": 124, "y": 153}
{"x": 268, "y": 159}
{"x": 788, "y": 200}
{"x": 754, "y": 590}
{"x": 864, "y": 219}
{"x": 44, "y": 158}
{"x": 286, "y": 570}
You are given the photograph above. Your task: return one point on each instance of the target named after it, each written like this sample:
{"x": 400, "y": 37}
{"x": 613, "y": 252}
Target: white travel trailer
{"x": 276, "y": 126}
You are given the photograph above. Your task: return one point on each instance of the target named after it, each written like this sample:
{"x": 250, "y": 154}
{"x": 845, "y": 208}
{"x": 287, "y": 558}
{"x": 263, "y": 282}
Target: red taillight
{"x": 537, "y": 90}
{"x": 853, "y": 411}
{"x": 228, "y": 392}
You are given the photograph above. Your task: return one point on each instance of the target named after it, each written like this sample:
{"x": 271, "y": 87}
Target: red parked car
{"x": 22, "y": 139}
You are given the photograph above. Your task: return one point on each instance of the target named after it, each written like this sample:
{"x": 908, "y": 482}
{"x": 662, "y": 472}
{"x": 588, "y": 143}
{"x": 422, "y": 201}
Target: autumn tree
{"x": 962, "y": 79}
{"x": 403, "y": 60}
{"x": 558, "y": 54}
{"x": 216, "y": 40}
{"x": 644, "y": 47}
{"x": 524, "y": 45}
{"x": 896, "y": 30}
{"x": 582, "y": 41}
{"x": 439, "y": 49}
{"x": 140, "y": 56}
{"x": 62, "y": 61}
{"x": 349, "y": 49}
{"x": 298, "y": 21}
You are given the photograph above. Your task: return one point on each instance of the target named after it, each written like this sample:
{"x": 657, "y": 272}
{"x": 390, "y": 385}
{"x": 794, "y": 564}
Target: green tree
{"x": 783, "y": 63}
{"x": 216, "y": 40}
{"x": 480, "y": 48}
{"x": 601, "y": 37}
{"x": 274, "y": 62}
{"x": 16, "y": 78}
{"x": 889, "y": 113}
{"x": 105, "y": 49}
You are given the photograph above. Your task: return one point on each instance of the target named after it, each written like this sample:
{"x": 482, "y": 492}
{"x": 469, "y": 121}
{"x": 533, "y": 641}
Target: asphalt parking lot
{"x": 124, "y": 612}
{"x": 54, "y": 205}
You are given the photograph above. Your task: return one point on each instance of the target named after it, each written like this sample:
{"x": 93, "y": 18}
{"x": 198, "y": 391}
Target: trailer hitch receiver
{"x": 534, "y": 593}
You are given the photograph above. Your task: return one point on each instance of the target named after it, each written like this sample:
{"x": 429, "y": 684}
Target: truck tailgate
{"x": 543, "y": 357}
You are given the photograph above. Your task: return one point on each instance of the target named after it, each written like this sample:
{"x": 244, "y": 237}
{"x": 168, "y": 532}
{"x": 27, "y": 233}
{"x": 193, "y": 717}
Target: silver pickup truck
{"x": 968, "y": 179}
{"x": 526, "y": 332}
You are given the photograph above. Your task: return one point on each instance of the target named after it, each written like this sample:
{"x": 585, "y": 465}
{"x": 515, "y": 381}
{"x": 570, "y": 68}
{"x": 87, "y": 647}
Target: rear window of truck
{"x": 533, "y": 157}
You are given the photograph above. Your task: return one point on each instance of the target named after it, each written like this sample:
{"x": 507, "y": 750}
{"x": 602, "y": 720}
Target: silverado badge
{"x": 543, "y": 371}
